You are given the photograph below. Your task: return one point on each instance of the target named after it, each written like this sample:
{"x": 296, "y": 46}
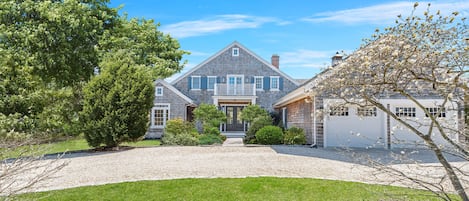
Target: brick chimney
{"x": 336, "y": 59}
{"x": 275, "y": 60}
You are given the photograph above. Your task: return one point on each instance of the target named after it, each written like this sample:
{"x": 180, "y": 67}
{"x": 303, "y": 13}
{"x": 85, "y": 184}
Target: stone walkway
{"x": 233, "y": 142}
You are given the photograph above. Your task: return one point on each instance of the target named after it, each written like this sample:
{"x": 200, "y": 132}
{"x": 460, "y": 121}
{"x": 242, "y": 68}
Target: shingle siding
{"x": 177, "y": 108}
{"x": 244, "y": 64}
{"x": 299, "y": 115}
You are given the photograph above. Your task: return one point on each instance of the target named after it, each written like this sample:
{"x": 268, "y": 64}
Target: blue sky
{"x": 304, "y": 33}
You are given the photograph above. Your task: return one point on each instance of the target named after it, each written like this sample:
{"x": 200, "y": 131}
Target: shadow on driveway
{"x": 364, "y": 156}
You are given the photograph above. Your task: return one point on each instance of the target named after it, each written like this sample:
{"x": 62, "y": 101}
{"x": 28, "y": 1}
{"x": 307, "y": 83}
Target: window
{"x": 259, "y": 82}
{"x": 159, "y": 91}
{"x": 274, "y": 85}
{"x": 435, "y": 111}
{"x": 339, "y": 111}
{"x": 405, "y": 111}
{"x": 366, "y": 111}
{"x": 196, "y": 82}
{"x": 235, "y": 52}
{"x": 159, "y": 115}
{"x": 211, "y": 80}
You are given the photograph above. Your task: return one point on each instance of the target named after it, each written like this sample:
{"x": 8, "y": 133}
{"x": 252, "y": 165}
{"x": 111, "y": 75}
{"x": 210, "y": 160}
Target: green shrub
{"x": 252, "y": 112}
{"x": 180, "y": 132}
{"x": 207, "y": 139}
{"x": 212, "y": 131}
{"x": 255, "y": 126}
{"x": 294, "y": 135}
{"x": 209, "y": 116}
{"x": 269, "y": 135}
{"x": 116, "y": 103}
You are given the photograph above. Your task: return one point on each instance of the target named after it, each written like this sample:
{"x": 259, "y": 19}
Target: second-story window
{"x": 211, "y": 80}
{"x": 196, "y": 82}
{"x": 274, "y": 83}
{"x": 259, "y": 82}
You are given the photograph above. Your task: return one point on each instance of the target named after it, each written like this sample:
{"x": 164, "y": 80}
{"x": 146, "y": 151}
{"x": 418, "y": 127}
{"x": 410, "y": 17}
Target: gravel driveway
{"x": 158, "y": 163}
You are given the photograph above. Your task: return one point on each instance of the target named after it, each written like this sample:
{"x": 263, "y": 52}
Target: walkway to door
{"x": 233, "y": 142}
{"x": 233, "y": 139}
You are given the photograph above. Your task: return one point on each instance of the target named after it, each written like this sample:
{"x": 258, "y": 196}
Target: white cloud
{"x": 305, "y": 58}
{"x": 217, "y": 24}
{"x": 386, "y": 13}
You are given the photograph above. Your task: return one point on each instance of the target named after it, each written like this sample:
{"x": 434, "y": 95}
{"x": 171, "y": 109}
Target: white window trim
{"x": 214, "y": 84}
{"x": 235, "y": 49}
{"x": 200, "y": 82}
{"x": 412, "y": 113}
{"x": 434, "y": 110}
{"x": 278, "y": 83}
{"x": 160, "y": 106}
{"x": 262, "y": 83}
{"x": 339, "y": 111}
{"x": 368, "y": 111}
{"x": 156, "y": 91}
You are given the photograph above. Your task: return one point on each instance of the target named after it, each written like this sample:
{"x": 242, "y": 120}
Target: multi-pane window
{"x": 405, "y": 111}
{"x": 211, "y": 80}
{"x": 159, "y": 91}
{"x": 274, "y": 85}
{"x": 159, "y": 115}
{"x": 196, "y": 82}
{"x": 436, "y": 112}
{"x": 259, "y": 82}
{"x": 366, "y": 111}
{"x": 339, "y": 111}
{"x": 235, "y": 52}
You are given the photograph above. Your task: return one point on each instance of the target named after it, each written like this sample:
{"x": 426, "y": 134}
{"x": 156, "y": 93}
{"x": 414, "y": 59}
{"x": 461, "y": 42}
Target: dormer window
{"x": 235, "y": 52}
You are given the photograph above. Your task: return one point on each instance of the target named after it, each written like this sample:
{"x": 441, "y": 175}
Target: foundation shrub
{"x": 294, "y": 135}
{"x": 269, "y": 135}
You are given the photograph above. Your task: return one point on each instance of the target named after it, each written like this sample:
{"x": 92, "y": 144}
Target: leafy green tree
{"x": 49, "y": 49}
{"x": 55, "y": 40}
{"x": 252, "y": 112}
{"x": 209, "y": 116}
{"x": 116, "y": 102}
{"x": 147, "y": 45}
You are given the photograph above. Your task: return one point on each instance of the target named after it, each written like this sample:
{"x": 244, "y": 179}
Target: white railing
{"x": 235, "y": 90}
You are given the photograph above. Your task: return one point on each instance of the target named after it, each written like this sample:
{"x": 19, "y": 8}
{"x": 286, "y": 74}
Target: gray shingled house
{"x": 231, "y": 79}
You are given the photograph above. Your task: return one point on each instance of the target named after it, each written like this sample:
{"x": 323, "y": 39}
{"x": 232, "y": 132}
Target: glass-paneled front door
{"x": 233, "y": 118}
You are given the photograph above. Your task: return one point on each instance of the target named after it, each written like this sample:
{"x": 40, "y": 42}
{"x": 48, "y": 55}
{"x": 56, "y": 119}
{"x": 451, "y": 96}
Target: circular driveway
{"x": 165, "y": 162}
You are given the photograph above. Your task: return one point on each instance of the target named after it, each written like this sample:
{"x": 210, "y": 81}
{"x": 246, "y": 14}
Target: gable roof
{"x": 235, "y": 43}
{"x": 173, "y": 89}
{"x": 299, "y": 93}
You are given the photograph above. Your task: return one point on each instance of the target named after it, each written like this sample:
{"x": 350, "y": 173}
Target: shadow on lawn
{"x": 77, "y": 153}
{"x": 363, "y": 156}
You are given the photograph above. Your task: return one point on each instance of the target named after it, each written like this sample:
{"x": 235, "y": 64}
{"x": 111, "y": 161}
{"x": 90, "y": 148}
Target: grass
{"x": 258, "y": 188}
{"x": 67, "y": 146}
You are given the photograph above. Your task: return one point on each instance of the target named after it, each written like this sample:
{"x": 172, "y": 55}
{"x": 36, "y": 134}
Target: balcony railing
{"x": 235, "y": 90}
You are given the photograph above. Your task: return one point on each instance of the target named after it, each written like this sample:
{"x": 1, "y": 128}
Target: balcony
{"x": 234, "y": 90}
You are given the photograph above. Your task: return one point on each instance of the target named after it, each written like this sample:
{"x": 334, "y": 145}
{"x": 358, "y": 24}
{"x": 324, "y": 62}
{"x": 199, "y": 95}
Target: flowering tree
{"x": 421, "y": 56}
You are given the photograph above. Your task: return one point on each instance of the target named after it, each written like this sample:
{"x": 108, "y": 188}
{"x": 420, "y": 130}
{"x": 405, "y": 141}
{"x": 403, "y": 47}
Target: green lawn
{"x": 67, "y": 146}
{"x": 259, "y": 188}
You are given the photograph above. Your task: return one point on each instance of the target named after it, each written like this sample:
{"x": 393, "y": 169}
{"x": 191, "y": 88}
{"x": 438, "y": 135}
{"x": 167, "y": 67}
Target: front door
{"x": 233, "y": 118}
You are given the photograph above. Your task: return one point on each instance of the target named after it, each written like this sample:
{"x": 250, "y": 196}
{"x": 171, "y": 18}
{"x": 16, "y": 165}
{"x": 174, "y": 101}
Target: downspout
{"x": 313, "y": 107}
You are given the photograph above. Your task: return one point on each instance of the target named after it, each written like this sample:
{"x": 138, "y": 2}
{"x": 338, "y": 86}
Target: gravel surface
{"x": 158, "y": 163}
